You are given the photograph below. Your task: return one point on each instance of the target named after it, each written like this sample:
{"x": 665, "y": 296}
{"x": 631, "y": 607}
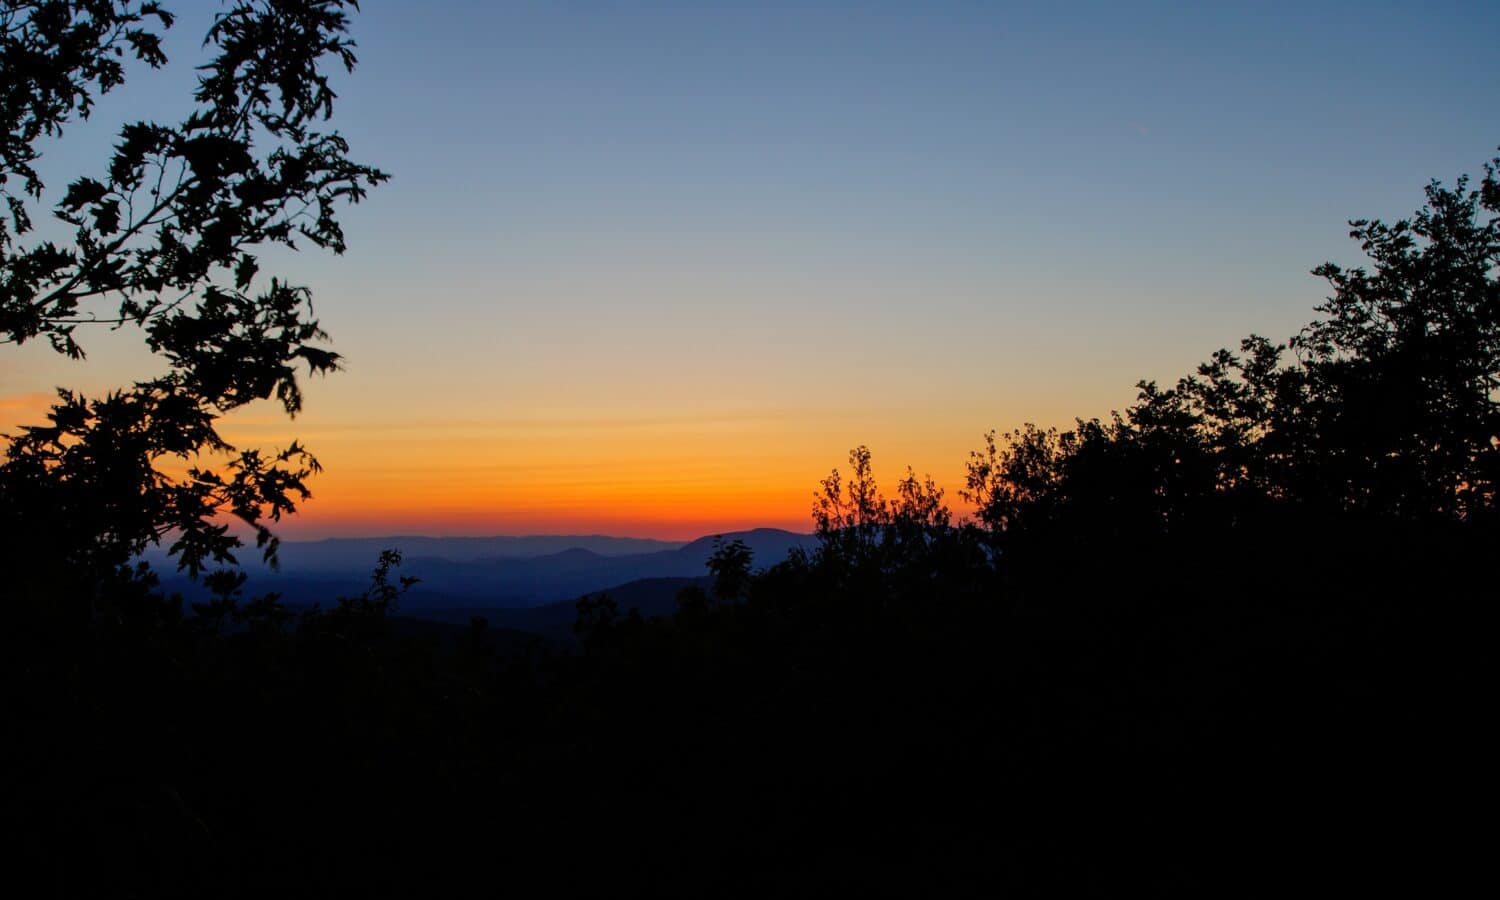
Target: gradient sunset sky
{"x": 652, "y": 269}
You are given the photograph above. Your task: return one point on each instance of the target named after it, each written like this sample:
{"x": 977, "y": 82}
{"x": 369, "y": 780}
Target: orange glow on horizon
{"x": 668, "y": 473}
{"x": 673, "y": 479}
{"x": 667, "y": 477}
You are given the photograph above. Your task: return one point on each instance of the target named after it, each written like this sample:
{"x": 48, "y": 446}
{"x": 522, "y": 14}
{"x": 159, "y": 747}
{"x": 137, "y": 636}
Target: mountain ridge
{"x": 504, "y": 581}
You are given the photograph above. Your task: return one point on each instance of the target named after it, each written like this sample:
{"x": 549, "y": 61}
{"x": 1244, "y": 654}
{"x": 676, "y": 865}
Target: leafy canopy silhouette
{"x": 1387, "y": 407}
{"x": 164, "y": 240}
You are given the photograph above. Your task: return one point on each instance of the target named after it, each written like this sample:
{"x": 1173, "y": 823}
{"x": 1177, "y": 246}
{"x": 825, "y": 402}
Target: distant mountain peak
{"x": 574, "y": 553}
{"x": 763, "y": 542}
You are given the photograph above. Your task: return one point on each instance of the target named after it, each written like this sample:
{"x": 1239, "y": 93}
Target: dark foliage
{"x": 164, "y": 240}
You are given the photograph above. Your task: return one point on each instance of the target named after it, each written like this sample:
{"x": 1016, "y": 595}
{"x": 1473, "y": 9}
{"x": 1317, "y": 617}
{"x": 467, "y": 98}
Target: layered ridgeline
{"x": 464, "y": 576}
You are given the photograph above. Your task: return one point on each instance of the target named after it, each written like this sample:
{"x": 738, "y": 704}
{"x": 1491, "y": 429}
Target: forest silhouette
{"x": 1226, "y": 641}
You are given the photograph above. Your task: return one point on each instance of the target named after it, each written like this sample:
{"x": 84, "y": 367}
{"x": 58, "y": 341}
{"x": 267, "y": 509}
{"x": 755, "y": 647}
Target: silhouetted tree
{"x": 164, "y": 240}
{"x": 850, "y": 514}
{"x": 730, "y": 567}
{"x": 359, "y": 619}
{"x": 884, "y": 547}
{"x": 1403, "y": 371}
{"x": 1389, "y": 407}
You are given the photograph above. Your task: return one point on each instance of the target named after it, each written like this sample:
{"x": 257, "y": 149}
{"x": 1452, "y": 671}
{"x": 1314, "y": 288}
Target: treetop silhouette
{"x": 1388, "y": 406}
{"x": 165, "y": 240}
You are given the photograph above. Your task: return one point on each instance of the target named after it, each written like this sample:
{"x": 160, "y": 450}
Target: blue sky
{"x": 894, "y": 224}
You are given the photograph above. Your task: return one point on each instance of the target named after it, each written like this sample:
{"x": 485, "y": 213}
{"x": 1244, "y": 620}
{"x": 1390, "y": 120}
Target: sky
{"x": 653, "y": 269}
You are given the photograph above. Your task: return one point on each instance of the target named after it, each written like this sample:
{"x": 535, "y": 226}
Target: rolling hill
{"x": 507, "y": 587}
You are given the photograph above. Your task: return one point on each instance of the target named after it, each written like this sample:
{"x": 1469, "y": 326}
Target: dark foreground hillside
{"x": 1177, "y": 715}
